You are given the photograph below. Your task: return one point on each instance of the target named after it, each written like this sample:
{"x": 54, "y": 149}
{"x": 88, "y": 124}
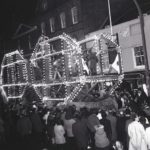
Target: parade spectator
{"x": 80, "y": 131}
{"x": 37, "y": 128}
{"x": 50, "y": 130}
{"x": 117, "y": 146}
{"x": 118, "y": 98}
{"x": 68, "y": 122}
{"x": 147, "y": 134}
{"x": 101, "y": 140}
{"x": 45, "y": 117}
{"x": 59, "y": 135}
{"x": 128, "y": 121}
{"x": 141, "y": 100}
{"x": 24, "y": 128}
{"x": 136, "y": 134}
{"x": 2, "y": 131}
{"x": 113, "y": 121}
{"x": 107, "y": 126}
{"x": 92, "y": 122}
{"x": 121, "y": 120}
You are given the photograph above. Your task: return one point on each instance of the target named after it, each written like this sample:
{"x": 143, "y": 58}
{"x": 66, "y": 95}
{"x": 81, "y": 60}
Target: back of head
{"x": 78, "y": 115}
{"x": 84, "y": 112}
{"x": 142, "y": 120}
{"x": 94, "y": 111}
{"x": 58, "y": 121}
{"x": 69, "y": 113}
{"x": 134, "y": 116}
{"x": 103, "y": 113}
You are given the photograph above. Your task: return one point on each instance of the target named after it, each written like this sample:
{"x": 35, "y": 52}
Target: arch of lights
{"x": 14, "y": 75}
{"x": 58, "y": 69}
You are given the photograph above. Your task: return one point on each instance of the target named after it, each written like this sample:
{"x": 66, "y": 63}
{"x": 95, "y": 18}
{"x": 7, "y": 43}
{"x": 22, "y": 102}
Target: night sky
{"x": 14, "y": 12}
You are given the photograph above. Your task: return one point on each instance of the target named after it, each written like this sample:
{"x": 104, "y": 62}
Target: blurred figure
{"x": 121, "y": 121}
{"x": 113, "y": 121}
{"x": 68, "y": 122}
{"x": 107, "y": 126}
{"x": 24, "y": 128}
{"x": 80, "y": 131}
{"x": 117, "y": 146}
{"x": 141, "y": 100}
{"x": 2, "y": 132}
{"x": 147, "y": 132}
{"x": 59, "y": 135}
{"x": 101, "y": 140}
{"x": 146, "y": 125}
{"x": 128, "y": 121}
{"x": 92, "y": 122}
{"x": 37, "y": 128}
{"x": 136, "y": 134}
{"x": 92, "y": 62}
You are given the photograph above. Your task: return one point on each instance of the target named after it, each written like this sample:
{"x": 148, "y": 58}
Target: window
{"x": 139, "y": 56}
{"x": 63, "y": 20}
{"x": 135, "y": 29}
{"x": 52, "y": 24}
{"x": 74, "y": 13}
{"x": 43, "y": 28}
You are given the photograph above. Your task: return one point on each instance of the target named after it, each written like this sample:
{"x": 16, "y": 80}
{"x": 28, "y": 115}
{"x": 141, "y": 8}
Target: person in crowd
{"x": 50, "y": 128}
{"x": 125, "y": 100}
{"x": 113, "y": 121}
{"x": 101, "y": 140}
{"x": 121, "y": 120}
{"x": 2, "y": 131}
{"x": 107, "y": 125}
{"x": 136, "y": 132}
{"x": 37, "y": 128}
{"x": 143, "y": 120}
{"x": 118, "y": 98}
{"x": 68, "y": 122}
{"x": 147, "y": 134}
{"x": 117, "y": 146}
{"x": 141, "y": 100}
{"x": 59, "y": 135}
{"x": 24, "y": 128}
{"x": 92, "y": 122}
{"x": 80, "y": 131}
{"x": 146, "y": 125}
{"x": 92, "y": 62}
{"x": 45, "y": 117}
{"x": 93, "y": 119}
{"x": 127, "y": 122}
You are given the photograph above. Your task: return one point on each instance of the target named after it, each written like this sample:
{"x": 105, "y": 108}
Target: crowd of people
{"x": 73, "y": 128}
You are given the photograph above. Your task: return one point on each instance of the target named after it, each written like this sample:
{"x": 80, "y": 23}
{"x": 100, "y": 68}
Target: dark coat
{"x": 36, "y": 123}
{"x": 81, "y": 133}
{"x": 107, "y": 127}
{"x": 24, "y": 126}
{"x": 92, "y": 121}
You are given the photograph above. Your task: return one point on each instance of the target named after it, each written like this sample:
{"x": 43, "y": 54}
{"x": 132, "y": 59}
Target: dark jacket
{"x": 107, "y": 127}
{"x": 24, "y": 126}
{"x": 81, "y": 133}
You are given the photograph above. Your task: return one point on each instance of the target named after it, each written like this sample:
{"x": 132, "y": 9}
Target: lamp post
{"x": 144, "y": 45}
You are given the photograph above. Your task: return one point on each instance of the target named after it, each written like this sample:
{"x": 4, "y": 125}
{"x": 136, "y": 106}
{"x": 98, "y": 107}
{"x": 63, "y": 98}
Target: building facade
{"x": 74, "y": 17}
{"x": 130, "y": 41}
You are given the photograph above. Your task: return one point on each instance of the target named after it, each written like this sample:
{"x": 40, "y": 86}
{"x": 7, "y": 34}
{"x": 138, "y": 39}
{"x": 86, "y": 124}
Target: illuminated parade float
{"x": 62, "y": 69}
